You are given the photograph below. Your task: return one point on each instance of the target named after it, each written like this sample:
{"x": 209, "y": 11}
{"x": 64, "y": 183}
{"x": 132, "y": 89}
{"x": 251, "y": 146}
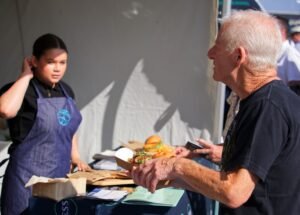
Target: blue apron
{"x": 46, "y": 150}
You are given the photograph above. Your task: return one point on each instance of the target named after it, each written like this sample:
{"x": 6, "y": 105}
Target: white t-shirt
{"x": 288, "y": 64}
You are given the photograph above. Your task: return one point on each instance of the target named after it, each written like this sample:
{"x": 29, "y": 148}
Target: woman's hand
{"x": 27, "y": 68}
{"x": 75, "y": 157}
{"x": 81, "y": 165}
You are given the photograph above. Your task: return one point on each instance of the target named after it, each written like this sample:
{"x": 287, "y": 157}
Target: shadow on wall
{"x": 168, "y": 38}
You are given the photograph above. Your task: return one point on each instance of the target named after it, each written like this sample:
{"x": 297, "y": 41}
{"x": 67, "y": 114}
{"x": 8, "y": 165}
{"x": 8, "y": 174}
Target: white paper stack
{"x": 114, "y": 195}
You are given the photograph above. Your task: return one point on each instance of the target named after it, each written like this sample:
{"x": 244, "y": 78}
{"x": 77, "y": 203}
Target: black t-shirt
{"x": 265, "y": 139}
{"x": 21, "y": 124}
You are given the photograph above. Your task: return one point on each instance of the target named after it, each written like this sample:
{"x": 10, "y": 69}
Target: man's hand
{"x": 154, "y": 173}
{"x": 210, "y": 151}
{"x": 182, "y": 152}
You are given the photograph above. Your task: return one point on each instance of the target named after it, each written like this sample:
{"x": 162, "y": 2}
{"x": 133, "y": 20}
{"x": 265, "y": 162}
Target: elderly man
{"x": 261, "y": 153}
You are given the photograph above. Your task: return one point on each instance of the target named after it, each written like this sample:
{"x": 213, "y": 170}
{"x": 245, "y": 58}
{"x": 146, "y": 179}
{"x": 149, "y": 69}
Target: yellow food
{"x": 153, "y": 148}
{"x": 152, "y": 144}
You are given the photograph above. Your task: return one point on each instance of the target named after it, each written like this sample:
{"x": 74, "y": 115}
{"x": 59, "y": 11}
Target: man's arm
{"x": 230, "y": 188}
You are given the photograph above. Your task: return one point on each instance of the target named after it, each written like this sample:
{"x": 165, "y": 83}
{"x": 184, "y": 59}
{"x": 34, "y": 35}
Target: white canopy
{"x": 137, "y": 67}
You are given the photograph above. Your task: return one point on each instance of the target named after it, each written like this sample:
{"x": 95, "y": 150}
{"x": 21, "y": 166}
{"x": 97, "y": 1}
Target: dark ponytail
{"x": 46, "y": 42}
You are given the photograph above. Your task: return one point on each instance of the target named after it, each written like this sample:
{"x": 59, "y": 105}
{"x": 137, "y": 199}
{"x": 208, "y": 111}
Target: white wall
{"x": 137, "y": 67}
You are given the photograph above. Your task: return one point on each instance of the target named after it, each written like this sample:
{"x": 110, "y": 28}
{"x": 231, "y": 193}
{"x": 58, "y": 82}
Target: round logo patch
{"x": 63, "y": 117}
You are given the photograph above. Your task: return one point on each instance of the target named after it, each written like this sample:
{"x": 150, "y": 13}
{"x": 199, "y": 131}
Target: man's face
{"x": 221, "y": 59}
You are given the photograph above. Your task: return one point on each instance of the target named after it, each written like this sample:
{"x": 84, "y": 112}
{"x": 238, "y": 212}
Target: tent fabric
{"x": 285, "y": 8}
{"x": 137, "y": 67}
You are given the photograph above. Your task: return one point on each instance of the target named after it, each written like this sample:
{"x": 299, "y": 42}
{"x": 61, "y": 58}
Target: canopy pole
{"x": 226, "y": 10}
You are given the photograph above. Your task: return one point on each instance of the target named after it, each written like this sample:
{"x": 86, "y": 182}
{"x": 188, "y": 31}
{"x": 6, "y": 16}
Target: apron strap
{"x": 37, "y": 89}
{"x": 64, "y": 90}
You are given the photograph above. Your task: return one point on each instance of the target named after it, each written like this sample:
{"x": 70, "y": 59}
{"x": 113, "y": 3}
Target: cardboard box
{"x": 57, "y": 188}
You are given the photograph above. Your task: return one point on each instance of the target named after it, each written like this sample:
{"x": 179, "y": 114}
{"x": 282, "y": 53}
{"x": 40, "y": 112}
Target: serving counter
{"x": 190, "y": 203}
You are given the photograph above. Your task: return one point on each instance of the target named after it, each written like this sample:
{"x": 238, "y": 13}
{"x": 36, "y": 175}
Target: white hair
{"x": 258, "y": 33}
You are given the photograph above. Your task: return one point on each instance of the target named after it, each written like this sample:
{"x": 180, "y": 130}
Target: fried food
{"x": 153, "y": 148}
{"x": 152, "y": 143}
{"x": 140, "y": 157}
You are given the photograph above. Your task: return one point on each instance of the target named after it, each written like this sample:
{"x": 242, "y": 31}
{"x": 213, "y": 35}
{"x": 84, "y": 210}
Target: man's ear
{"x": 240, "y": 55}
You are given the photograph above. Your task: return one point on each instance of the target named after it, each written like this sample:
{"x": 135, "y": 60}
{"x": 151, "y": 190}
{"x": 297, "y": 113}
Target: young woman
{"x": 42, "y": 118}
